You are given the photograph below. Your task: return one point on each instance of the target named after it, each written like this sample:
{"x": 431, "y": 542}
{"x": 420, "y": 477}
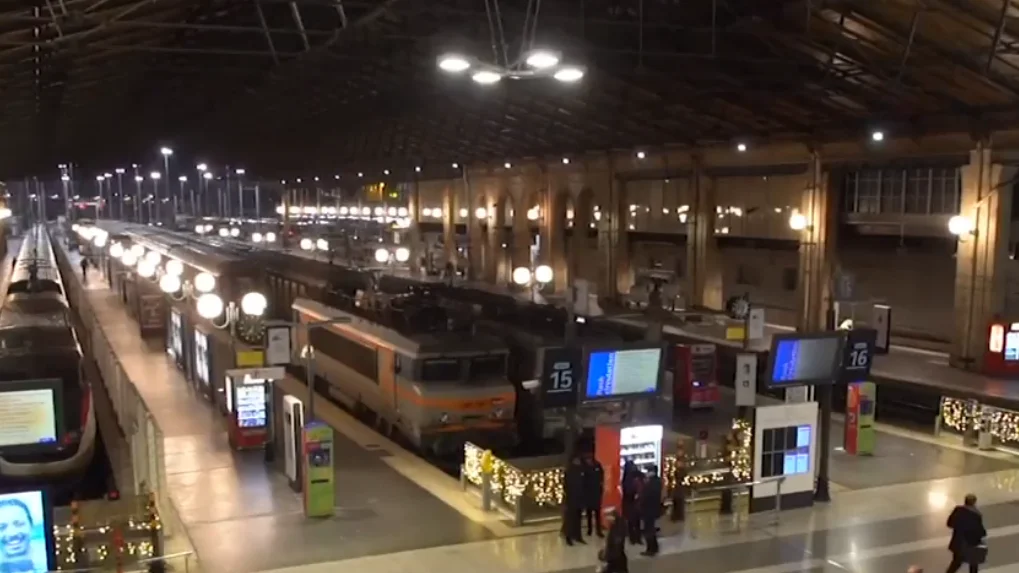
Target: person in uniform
{"x": 594, "y": 488}
{"x": 650, "y": 502}
{"x": 573, "y": 506}
{"x": 631, "y": 483}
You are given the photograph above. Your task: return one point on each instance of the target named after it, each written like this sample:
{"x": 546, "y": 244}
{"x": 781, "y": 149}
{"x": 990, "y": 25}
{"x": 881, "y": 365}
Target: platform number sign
{"x": 560, "y": 378}
{"x": 858, "y": 355}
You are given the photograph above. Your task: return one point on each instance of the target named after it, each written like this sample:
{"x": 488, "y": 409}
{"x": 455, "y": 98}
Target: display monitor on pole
{"x": 620, "y": 373}
{"x": 805, "y": 359}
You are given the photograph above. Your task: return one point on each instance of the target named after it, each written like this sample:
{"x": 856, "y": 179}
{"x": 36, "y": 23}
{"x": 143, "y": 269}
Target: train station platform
{"x": 237, "y": 513}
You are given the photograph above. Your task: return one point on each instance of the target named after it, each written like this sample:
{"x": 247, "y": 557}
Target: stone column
{"x": 475, "y": 233}
{"x": 704, "y": 268}
{"x": 553, "y": 233}
{"x": 449, "y": 223}
{"x": 982, "y": 256}
{"x": 613, "y": 240}
{"x": 495, "y": 205}
{"x": 579, "y": 235}
{"x": 818, "y": 254}
{"x": 520, "y": 254}
{"x": 414, "y": 231}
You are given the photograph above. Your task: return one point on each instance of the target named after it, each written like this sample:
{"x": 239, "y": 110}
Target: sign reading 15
{"x": 561, "y": 377}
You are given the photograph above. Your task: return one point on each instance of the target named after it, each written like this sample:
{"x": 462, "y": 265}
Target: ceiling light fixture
{"x": 454, "y": 63}
{"x": 486, "y": 77}
{"x": 741, "y": 147}
{"x": 542, "y": 59}
{"x": 532, "y": 63}
{"x": 877, "y": 135}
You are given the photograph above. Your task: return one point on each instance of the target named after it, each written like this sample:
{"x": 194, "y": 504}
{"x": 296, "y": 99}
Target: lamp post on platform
{"x": 155, "y": 176}
{"x": 166, "y": 153}
{"x": 120, "y": 189}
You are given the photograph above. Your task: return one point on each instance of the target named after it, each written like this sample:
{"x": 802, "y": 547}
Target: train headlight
{"x": 200, "y": 229}
{"x": 402, "y": 254}
{"x": 253, "y": 304}
{"x": 209, "y": 306}
{"x": 235, "y": 232}
{"x": 382, "y": 256}
{"x": 322, "y": 245}
{"x": 270, "y": 237}
{"x": 204, "y": 282}
{"x": 307, "y": 244}
{"x": 256, "y": 237}
{"x": 444, "y": 418}
{"x": 169, "y": 283}
{"x": 224, "y": 232}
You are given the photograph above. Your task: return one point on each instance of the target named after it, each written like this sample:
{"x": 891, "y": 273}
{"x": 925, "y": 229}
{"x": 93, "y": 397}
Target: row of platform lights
{"x": 148, "y": 266}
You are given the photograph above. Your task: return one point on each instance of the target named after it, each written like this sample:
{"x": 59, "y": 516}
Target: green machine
{"x": 319, "y": 481}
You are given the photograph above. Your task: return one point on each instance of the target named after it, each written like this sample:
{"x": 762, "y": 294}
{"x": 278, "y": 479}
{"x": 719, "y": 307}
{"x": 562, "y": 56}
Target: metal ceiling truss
{"x": 316, "y": 84}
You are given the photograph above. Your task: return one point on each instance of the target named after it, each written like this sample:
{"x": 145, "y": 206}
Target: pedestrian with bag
{"x": 968, "y": 533}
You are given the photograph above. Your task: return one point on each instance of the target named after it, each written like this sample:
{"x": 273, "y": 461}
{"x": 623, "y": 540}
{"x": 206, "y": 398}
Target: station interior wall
{"x": 919, "y": 283}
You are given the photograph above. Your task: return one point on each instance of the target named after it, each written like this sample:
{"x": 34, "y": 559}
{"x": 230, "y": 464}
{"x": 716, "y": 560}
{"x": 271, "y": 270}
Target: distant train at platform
{"x": 47, "y": 417}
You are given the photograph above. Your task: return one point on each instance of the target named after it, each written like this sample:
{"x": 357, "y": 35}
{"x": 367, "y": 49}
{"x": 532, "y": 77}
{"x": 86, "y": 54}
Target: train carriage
{"x": 39, "y": 351}
{"x": 436, "y": 388}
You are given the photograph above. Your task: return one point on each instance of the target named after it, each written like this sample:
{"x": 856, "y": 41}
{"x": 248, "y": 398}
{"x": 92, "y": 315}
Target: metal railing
{"x": 177, "y": 562}
{"x": 141, "y": 431}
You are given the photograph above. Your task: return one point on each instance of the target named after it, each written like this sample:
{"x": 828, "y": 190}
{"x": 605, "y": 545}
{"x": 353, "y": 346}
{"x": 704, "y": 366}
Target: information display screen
{"x": 798, "y": 360}
{"x": 26, "y": 523}
{"x": 613, "y": 373}
{"x": 251, "y": 406}
{"x": 28, "y": 417}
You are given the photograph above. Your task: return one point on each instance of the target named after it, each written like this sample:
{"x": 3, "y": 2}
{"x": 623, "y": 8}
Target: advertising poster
{"x": 25, "y": 543}
{"x": 150, "y": 311}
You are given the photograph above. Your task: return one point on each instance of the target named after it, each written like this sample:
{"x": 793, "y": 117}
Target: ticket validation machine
{"x": 1001, "y": 357}
{"x": 859, "y": 427}
{"x": 319, "y": 487}
{"x": 293, "y": 428}
{"x": 695, "y": 376}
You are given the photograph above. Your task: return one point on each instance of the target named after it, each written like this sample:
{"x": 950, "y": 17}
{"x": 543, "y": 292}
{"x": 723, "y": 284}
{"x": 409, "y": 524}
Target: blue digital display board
{"x": 798, "y": 360}
{"x": 613, "y": 373}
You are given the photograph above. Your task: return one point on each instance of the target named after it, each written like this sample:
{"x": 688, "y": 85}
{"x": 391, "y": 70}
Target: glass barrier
{"x": 147, "y": 473}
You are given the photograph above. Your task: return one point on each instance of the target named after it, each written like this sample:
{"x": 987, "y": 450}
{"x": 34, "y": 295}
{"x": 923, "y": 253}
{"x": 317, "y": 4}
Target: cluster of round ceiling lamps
{"x": 537, "y": 64}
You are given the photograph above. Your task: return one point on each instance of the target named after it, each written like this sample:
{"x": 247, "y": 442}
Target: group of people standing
{"x": 636, "y": 522}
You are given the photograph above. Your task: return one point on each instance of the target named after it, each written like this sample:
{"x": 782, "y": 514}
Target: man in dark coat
{"x": 614, "y": 553}
{"x": 650, "y": 502}
{"x": 594, "y": 487}
{"x": 573, "y": 491}
{"x": 968, "y": 533}
{"x": 631, "y": 482}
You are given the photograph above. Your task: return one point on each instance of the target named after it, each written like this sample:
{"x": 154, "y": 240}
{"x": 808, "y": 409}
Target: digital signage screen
{"x": 617, "y": 373}
{"x": 26, "y": 526}
{"x": 798, "y": 359}
{"x": 30, "y": 415}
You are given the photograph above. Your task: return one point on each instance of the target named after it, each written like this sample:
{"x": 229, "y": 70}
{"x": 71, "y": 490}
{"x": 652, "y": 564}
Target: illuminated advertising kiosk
{"x": 785, "y": 435}
{"x": 621, "y": 376}
{"x": 247, "y": 406}
{"x": 695, "y": 376}
{"x": 1001, "y": 358}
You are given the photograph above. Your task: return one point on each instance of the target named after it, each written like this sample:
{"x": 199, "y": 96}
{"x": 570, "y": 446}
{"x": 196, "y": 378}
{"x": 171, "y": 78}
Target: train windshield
{"x": 487, "y": 367}
{"x": 440, "y": 370}
{"x": 35, "y": 339}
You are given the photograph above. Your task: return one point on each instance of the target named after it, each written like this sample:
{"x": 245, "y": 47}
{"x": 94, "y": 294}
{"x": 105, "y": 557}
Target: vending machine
{"x": 614, "y": 446}
{"x": 1001, "y": 358}
{"x": 695, "y": 376}
{"x": 247, "y": 411}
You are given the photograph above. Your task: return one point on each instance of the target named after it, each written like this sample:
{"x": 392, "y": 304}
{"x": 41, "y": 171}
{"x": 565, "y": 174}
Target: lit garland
{"x": 70, "y": 538}
{"x": 958, "y": 415}
{"x": 546, "y": 488}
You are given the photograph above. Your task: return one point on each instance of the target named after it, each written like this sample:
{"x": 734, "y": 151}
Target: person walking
{"x": 84, "y": 270}
{"x": 650, "y": 501}
{"x": 594, "y": 488}
{"x": 631, "y": 483}
{"x": 968, "y": 533}
{"x": 614, "y": 553}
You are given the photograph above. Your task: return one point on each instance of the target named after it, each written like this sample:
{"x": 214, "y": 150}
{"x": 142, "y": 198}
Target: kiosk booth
{"x": 786, "y": 435}
{"x": 695, "y": 376}
{"x": 1001, "y": 359}
{"x": 616, "y": 379}
{"x": 293, "y": 424}
{"x": 247, "y": 407}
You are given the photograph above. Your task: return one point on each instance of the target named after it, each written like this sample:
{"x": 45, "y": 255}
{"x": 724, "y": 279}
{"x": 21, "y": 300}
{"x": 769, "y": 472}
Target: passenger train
{"x": 41, "y": 378}
{"x": 413, "y": 365}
